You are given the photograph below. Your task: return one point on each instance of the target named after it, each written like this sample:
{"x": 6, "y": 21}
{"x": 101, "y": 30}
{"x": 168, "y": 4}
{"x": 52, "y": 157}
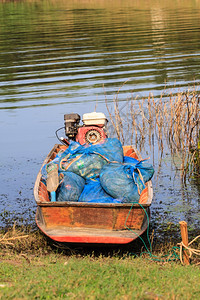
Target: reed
{"x": 171, "y": 122}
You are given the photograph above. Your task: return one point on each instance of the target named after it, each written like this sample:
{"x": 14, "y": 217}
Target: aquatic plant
{"x": 172, "y": 120}
{"x": 195, "y": 160}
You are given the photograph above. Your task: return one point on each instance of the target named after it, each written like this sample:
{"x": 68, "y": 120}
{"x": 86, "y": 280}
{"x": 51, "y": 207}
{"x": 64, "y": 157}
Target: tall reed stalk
{"x": 173, "y": 121}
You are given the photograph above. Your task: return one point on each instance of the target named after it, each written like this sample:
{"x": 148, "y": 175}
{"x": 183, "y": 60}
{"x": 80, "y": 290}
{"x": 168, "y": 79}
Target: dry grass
{"x": 171, "y": 121}
{"x": 19, "y": 242}
{"x": 21, "y": 239}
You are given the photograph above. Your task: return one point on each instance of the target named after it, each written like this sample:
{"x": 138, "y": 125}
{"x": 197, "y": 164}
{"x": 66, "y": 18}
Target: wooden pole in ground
{"x": 184, "y": 235}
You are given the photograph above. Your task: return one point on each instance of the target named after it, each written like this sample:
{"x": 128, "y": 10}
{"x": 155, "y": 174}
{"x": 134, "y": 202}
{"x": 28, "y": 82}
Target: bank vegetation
{"x": 171, "y": 122}
{"x": 31, "y": 268}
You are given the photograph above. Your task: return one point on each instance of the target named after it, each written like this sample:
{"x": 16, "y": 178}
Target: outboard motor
{"x": 92, "y": 130}
{"x": 71, "y": 125}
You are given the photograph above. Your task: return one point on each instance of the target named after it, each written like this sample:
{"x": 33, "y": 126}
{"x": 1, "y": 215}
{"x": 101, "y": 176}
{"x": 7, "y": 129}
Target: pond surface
{"x": 58, "y": 57}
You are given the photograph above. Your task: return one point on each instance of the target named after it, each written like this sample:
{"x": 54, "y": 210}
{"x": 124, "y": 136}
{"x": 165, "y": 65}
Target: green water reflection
{"x": 58, "y": 51}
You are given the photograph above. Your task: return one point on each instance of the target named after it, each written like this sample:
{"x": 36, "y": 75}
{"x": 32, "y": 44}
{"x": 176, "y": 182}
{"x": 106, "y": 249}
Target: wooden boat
{"x": 86, "y": 223}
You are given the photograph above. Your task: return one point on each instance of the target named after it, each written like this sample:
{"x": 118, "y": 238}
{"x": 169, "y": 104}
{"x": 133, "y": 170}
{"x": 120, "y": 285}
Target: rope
{"x": 190, "y": 250}
{"x": 136, "y": 232}
{"x": 172, "y": 255}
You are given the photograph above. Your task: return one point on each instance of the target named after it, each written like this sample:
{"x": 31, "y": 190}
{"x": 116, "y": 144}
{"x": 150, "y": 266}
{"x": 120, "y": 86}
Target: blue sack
{"x": 145, "y": 169}
{"x": 85, "y": 165}
{"x": 72, "y": 146}
{"x": 87, "y": 160}
{"x": 70, "y": 187}
{"x": 69, "y": 151}
{"x": 94, "y": 193}
{"x": 143, "y": 166}
{"x": 130, "y": 160}
{"x": 110, "y": 148}
{"x": 122, "y": 181}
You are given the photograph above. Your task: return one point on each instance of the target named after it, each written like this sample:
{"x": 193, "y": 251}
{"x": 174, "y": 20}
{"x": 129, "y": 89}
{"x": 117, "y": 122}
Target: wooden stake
{"x": 184, "y": 235}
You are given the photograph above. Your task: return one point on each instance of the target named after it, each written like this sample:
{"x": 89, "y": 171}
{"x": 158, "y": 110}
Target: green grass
{"x": 32, "y": 268}
{"x": 57, "y": 276}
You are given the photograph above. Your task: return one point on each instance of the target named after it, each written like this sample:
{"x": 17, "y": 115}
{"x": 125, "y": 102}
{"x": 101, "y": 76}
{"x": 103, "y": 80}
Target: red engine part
{"x": 90, "y": 134}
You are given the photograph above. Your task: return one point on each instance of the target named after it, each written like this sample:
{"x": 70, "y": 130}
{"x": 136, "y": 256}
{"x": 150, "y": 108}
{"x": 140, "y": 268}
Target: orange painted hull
{"x": 76, "y": 222}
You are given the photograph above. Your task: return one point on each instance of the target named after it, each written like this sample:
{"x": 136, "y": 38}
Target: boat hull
{"x": 90, "y": 235}
{"x": 86, "y": 223}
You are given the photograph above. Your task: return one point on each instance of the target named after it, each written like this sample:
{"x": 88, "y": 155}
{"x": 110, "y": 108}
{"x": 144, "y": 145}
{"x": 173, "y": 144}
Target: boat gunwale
{"x": 85, "y": 204}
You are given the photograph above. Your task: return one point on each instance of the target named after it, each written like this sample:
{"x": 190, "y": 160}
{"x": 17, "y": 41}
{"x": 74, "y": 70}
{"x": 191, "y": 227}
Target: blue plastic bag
{"x": 85, "y": 165}
{"x": 87, "y": 160}
{"x": 122, "y": 181}
{"x": 94, "y": 193}
{"x": 143, "y": 167}
{"x": 72, "y": 146}
{"x": 130, "y": 160}
{"x": 70, "y": 187}
{"x": 110, "y": 148}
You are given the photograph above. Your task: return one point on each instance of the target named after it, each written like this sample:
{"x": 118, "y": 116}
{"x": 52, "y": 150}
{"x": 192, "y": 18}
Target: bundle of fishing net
{"x": 126, "y": 181}
{"x": 94, "y": 193}
{"x": 87, "y": 160}
{"x": 70, "y": 187}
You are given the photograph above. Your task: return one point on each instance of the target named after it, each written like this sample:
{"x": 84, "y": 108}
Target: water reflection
{"x": 55, "y": 50}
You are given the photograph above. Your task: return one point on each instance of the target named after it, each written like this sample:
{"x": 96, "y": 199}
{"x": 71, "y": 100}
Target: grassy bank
{"x": 32, "y": 268}
{"x": 56, "y": 276}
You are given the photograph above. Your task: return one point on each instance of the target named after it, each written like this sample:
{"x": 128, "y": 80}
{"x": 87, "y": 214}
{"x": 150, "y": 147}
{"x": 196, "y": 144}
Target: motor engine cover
{"x": 90, "y": 134}
{"x": 71, "y": 125}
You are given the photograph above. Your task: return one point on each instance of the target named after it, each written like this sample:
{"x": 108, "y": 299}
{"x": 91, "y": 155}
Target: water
{"x": 59, "y": 56}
